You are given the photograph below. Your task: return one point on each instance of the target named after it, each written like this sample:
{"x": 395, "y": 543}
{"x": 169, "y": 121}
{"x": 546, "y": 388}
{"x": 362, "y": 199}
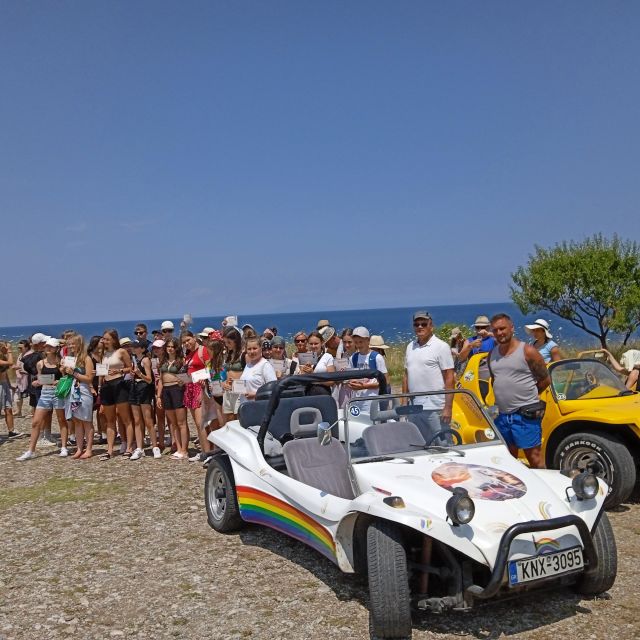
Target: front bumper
{"x": 534, "y": 526}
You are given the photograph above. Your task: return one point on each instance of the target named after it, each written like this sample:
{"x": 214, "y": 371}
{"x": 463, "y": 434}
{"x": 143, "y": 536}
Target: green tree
{"x": 594, "y": 284}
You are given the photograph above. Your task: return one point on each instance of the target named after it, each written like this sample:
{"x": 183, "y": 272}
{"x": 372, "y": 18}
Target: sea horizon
{"x": 393, "y": 323}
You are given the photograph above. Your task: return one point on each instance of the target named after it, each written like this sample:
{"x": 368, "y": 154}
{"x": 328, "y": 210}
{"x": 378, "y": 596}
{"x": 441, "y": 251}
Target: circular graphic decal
{"x": 354, "y": 411}
{"x": 469, "y": 376}
{"x": 483, "y": 483}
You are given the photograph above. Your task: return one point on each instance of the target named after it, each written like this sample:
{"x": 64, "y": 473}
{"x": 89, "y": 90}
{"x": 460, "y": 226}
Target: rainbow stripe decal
{"x": 263, "y": 508}
{"x": 546, "y": 545}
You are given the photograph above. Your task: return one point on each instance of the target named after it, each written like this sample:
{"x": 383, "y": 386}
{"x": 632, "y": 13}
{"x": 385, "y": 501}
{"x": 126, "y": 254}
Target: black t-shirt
{"x": 30, "y": 365}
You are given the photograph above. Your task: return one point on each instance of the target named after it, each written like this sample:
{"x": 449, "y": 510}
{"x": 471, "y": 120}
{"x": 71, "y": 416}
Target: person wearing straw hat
{"x": 482, "y": 342}
{"x": 377, "y": 344}
{"x": 542, "y": 341}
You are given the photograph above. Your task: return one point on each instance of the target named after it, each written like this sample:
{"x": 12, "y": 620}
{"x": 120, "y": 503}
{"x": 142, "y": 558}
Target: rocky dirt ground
{"x": 122, "y": 549}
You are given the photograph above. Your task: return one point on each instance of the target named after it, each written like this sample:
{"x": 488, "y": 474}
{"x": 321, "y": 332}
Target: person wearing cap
{"x": 365, "y": 358}
{"x": 48, "y": 402}
{"x": 330, "y": 339}
{"x": 322, "y": 323}
{"x": 428, "y": 366}
{"x": 29, "y": 362}
{"x": 157, "y": 351}
{"x": 167, "y": 330}
{"x": 268, "y": 334}
{"x": 519, "y": 374}
{"x": 481, "y": 342}
{"x": 205, "y": 333}
{"x": 542, "y": 340}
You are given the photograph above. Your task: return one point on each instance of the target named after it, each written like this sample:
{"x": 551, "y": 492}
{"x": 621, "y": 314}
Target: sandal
{"x": 127, "y": 454}
{"x": 104, "y": 456}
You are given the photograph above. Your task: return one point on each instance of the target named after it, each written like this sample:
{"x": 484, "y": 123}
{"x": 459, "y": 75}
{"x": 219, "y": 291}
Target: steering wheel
{"x": 443, "y": 432}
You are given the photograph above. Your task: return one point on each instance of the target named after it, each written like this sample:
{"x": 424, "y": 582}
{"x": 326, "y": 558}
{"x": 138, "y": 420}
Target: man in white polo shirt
{"x": 428, "y": 366}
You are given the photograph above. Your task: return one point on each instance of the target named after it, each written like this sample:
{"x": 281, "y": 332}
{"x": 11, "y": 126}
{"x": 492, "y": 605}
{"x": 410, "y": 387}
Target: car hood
{"x": 504, "y": 491}
{"x": 622, "y": 409}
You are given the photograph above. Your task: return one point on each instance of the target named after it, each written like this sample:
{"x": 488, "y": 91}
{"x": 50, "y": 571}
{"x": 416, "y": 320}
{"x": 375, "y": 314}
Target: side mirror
{"x": 324, "y": 433}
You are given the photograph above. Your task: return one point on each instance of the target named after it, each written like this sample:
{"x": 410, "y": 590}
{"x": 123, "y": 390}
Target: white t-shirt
{"x": 424, "y": 365}
{"x": 255, "y": 375}
{"x": 362, "y": 362}
{"x": 325, "y": 361}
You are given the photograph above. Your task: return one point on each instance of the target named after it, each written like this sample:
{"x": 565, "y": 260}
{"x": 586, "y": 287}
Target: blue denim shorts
{"x": 519, "y": 431}
{"x": 48, "y": 399}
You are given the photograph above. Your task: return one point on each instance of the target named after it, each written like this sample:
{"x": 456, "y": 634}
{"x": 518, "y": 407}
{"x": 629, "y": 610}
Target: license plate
{"x": 545, "y": 565}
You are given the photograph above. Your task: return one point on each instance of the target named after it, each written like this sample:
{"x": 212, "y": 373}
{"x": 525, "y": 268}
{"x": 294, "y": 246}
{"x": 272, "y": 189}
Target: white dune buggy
{"x": 436, "y": 519}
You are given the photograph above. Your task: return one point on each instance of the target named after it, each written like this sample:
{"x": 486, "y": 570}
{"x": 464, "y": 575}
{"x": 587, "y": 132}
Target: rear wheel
{"x": 606, "y": 456}
{"x": 220, "y": 496}
{"x": 390, "y": 609}
{"x": 604, "y": 576}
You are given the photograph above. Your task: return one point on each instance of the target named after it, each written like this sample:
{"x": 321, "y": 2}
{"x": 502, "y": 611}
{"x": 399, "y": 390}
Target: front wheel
{"x": 390, "y": 609}
{"x": 604, "y": 576}
{"x": 220, "y": 496}
{"x": 607, "y": 457}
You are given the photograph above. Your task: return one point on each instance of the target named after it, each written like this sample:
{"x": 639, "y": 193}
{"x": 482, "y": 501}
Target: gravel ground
{"x": 122, "y": 549}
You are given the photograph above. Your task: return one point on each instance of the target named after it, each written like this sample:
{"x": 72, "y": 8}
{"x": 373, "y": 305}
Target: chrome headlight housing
{"x": 585, "y": 485}
{"x": 460, "y": 507}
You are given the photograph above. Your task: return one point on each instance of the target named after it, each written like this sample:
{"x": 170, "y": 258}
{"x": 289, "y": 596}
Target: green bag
{"x": 63, "y": 388}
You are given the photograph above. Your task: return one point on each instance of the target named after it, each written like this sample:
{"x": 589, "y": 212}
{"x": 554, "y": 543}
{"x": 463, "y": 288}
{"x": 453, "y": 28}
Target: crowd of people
{"x": 135, "y": 393}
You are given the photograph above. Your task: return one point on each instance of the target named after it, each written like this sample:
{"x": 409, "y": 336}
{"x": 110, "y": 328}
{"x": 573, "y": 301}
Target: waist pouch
{"x": 534, "y": 411}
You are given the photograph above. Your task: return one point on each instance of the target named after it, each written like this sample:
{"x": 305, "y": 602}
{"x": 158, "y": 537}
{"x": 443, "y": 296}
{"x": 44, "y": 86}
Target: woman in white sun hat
{"x": 542, "y": 340}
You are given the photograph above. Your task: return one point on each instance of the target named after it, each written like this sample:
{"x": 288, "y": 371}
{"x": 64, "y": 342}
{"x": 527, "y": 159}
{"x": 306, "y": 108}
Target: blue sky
{"x": 235, "y": 157}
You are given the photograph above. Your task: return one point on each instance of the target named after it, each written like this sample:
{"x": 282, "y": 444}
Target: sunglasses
{"x": 420, "y": 324}
{"x": 139, "y": 333}
{"x": 167, "y": 330}
{"x": 300, "y": 340}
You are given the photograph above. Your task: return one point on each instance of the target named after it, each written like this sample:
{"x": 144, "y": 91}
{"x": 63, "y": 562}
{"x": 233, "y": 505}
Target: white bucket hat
{"x": 539, "y": 324}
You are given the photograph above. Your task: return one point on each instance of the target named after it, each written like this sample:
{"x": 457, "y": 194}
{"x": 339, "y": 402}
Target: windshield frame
{"x": 560, "y": 363}
{"x": 418, "y": 451}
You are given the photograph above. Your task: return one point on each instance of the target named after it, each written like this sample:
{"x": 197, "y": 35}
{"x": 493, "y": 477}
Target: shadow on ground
{"x": 506, "y": 617}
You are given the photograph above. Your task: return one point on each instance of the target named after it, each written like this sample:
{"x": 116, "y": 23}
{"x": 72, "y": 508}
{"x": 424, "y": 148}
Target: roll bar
{"x": 307, "y": 380}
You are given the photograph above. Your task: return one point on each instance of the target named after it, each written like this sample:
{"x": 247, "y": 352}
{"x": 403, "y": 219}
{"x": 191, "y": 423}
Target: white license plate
{"x": 545, "y": 565}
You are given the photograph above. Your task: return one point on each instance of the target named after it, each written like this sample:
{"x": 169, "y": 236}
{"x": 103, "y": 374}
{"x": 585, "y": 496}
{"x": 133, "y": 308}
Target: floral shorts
{"x": 192, "y": 395}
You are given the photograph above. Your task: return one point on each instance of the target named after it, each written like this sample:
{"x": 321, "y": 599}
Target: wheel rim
{"x": 217, "y": 494}
{"x": 582, "y": 458}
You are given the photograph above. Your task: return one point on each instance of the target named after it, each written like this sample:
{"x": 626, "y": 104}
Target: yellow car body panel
{"x": 600, "y": 405}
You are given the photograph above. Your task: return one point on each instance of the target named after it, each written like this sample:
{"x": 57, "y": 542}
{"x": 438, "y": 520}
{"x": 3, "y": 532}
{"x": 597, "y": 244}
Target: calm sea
{"x": 393, "y": 324}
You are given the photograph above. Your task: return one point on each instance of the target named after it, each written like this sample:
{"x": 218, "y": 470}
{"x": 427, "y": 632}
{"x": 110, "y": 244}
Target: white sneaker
{"x": 157, "y": 453}
{"x": 45, "y": 442}
{"x": 195, "y": 458}
{"x": 27, "y": 455}
{"x": 137, "y": 454}
{"x": 64, "y": 452}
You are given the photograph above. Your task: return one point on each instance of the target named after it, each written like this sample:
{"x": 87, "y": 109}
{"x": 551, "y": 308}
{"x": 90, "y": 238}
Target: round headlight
{"x": 585, "y": 485}
{"x": 460, "y": 507}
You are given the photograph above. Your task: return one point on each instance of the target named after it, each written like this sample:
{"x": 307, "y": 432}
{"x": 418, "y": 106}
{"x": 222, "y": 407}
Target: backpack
{"x": 370, "y": 365}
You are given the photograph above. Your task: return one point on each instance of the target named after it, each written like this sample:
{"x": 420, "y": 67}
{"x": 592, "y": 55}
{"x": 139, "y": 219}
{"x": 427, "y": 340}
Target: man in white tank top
{"x": 519, "y": 374}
